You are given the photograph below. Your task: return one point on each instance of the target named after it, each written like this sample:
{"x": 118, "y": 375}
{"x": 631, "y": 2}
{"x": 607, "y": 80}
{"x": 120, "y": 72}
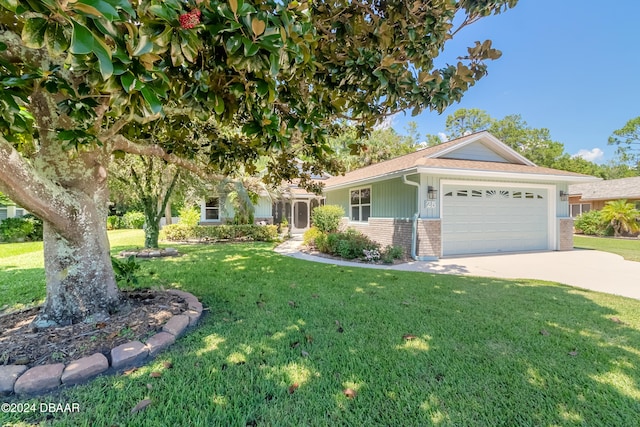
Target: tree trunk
{"x": 80, "y": 281}
{"x": 151, "y": 231}
{"x": 167, "y": 214}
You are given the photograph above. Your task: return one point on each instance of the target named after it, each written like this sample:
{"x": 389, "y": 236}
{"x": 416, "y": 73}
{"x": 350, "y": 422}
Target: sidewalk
{"x": 588, "y": 269}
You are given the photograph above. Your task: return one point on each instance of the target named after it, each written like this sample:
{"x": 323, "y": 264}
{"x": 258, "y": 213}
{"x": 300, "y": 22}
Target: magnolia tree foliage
{"x": 80, "y": 77}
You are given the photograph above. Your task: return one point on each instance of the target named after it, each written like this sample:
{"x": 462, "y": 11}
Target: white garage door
{"x": 486, "y": 219}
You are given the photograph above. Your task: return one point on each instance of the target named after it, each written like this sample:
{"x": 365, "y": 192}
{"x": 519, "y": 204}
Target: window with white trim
{"x": 360, "y": 204}
{"x": 3, "y": 212}
{"x": 578, "y": 209}
{"x": 212, "y": 209}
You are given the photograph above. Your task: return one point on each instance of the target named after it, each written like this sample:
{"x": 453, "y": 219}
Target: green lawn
{"x": 627, "y": 248}
{"x": 283, "y": 338}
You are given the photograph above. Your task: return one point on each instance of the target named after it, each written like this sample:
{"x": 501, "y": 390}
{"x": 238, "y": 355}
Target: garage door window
{"x": 360, "y": 207}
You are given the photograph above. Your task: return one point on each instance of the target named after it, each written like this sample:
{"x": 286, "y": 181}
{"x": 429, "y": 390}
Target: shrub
{"x": 310, "y": 236}
{"x": 15, "y": 229}
{"x": 178, "y": 232}
{"x": 125, "y": 271}
{"x": 391, "y": 253}
{"x": 322, "y": 243}
{"x": 114, "y": 222}
{"x": 327, "y": 218}
{"x": 189, "y": 216}
{"x": 181, "y": 232}
{"x": 591, "y": 223}
{"x": 349, "y": 245}
{"x": 36, "y": 233}
{"x": 133, "y": 219}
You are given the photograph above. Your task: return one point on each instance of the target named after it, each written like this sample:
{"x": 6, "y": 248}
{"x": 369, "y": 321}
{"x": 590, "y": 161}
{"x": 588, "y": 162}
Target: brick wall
{"x": 429, "y": 238}
{"x": 565, "y": 234}
{"x": 398, "y": 232}
{"x": 387, "y": 232}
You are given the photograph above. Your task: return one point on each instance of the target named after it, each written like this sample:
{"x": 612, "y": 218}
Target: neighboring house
{"x": 11, "y": 211}
{"x": 472, "y": 195}
{"x": 594, "y": 195}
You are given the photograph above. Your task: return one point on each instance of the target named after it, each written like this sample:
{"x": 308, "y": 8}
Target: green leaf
{"x": 164, "y": 12}
{"x": 250, "y": 48}
{"x": 262, "y": 88}
{"x": 33, "y": 32}
{"x": 128, "y": 81}
{"x": 55, "y": 39}
{"x": 82, "y": 40}
{"x": 152, "y": 99}
{"x": 274, "y": 61}
{"x": 105, "y": 9}
{"x": 144, "y": 46}
{"x": 9, "y": 4}
{"x": 218, "y": 105}
{"x": 124, "y": 5}
{"x": 233, "y": 44}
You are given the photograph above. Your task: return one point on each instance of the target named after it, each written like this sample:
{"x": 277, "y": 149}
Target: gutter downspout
{"x": 414, "y": 230}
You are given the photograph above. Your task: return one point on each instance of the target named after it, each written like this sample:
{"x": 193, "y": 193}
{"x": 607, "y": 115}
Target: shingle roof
{"x": 623, "y": 188}
{"x": 427, "y": 158}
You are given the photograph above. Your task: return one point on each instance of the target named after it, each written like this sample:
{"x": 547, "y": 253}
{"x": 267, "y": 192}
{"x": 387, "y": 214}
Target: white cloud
{"x": 443, "y": 136}
{"x": 592, "y": 155}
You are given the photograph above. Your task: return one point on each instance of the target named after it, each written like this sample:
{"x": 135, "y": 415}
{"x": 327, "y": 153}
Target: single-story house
{"x": 293, "y": 203}
{"x": 11, "y": 211}
{"x": 471, "y": 195}
{"x": 593, "y": 195}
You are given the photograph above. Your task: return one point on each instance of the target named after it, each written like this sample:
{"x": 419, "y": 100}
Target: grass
{"x": 283, "y": 339}
{"x": 629, "y": 249}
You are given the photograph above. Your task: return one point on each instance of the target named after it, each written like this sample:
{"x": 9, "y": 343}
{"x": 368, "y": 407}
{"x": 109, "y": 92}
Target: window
{"x": 3, "y": 212}
{"x": 360, "y": 204}
{"x": 580, "y": 208}
{"x": 212, "y": 209}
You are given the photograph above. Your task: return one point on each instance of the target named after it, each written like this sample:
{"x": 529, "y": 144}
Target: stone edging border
{"x": 43, "y": 378}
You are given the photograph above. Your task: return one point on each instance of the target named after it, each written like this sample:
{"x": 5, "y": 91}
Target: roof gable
{"x": 482, "y": 146}
{"x": 457, "y": 156}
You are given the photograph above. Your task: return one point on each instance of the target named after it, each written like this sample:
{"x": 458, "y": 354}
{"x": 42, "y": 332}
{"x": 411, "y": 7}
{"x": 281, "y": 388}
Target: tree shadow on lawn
{"x": 284, "y": 338}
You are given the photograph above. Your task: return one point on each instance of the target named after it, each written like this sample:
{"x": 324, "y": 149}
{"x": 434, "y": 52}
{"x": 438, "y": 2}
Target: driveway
{"x": 588, "y": 269}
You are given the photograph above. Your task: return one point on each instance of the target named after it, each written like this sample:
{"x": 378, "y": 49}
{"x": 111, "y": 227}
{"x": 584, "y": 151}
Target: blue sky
{"x": 567, "y": 65}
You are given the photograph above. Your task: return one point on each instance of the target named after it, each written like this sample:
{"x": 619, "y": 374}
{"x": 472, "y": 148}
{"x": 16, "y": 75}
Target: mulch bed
{"x": 143, "y": 314}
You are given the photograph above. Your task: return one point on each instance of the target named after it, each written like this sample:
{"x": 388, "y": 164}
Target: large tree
{"x": 627, "y": 139}
{"x": 75, "y": 74}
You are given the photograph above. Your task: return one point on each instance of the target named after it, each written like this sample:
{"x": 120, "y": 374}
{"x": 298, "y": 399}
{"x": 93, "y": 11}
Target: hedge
{"x": 214, "y": 233}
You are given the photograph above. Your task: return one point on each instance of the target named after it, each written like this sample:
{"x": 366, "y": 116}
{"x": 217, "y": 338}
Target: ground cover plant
{"x": 289, "y": 342}
{"x": 627, "y": 248}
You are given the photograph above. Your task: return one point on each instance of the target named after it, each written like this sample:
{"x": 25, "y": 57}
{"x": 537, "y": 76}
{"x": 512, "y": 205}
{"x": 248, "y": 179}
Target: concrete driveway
{"x": 588, "y": 269}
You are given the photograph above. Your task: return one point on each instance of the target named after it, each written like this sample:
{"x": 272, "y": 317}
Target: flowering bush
{"x": 372, "y": 255}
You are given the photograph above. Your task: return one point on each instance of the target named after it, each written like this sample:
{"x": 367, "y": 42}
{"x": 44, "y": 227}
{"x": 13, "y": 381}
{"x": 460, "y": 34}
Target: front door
{"x": 300, "y": 215}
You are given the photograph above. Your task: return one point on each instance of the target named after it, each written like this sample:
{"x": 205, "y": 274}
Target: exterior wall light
{"x": 564, "y": 196}
{"x": 432, "y": 193}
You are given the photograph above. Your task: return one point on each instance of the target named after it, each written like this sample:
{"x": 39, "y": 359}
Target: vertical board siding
{"x": 393, "y": 199}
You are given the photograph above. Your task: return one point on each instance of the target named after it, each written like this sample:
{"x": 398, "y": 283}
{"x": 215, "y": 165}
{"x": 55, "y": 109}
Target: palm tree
{"x": 622, "y": 216}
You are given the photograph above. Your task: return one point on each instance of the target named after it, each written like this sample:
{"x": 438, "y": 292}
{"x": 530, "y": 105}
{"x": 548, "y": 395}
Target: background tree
{"x": 627, "y": 139}
{"x": 380, "y": 145}
{"x": 75, "y": 74}
{"x": 465, "y": 121}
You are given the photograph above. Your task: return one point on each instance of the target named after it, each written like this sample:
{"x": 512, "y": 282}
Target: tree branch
{"x": 121, "y": 143}
{"x": 22, "y": 184}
